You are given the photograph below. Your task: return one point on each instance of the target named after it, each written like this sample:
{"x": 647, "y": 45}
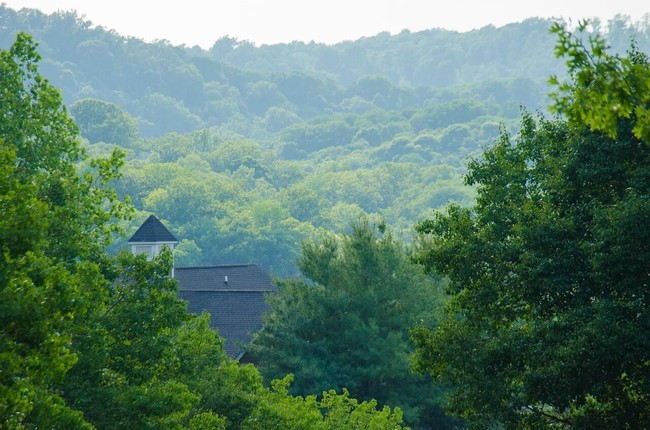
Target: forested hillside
{"x": 404, "y": 71}
{"x": 521, "y": 303}
{"x": 245, "y": 151}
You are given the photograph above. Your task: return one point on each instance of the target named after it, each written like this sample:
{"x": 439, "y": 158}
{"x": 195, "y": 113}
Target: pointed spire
{"x": 152, "y": 231}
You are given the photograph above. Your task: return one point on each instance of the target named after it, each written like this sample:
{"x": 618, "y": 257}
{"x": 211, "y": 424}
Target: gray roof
{"x": 241, "y": 277}
{"x": 236, "y": 307}
{"x": 152, "y": 230}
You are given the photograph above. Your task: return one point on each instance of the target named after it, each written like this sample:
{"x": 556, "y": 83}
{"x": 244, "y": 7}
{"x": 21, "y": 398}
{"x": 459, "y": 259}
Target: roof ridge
{"x": 229, "y": 290}
{"x": 213, "y": 266}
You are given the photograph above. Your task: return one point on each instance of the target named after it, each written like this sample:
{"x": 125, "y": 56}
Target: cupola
{"x": 151, "y": 238}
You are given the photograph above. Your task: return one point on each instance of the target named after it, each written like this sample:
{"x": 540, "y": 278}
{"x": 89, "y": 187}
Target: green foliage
{"x": 347, "y": 326}
{"x": 343, "y": 412}
{"x": 164, "y": 114}
{"x": 551, "y": 258}
{"x": 92, "y": 341}
{"x": 603, "y": 88}
{"x": 319, "y": 134}
{"x": 327, "y": 134}
{"x": 180, "y": 88}
{"x": 53, "y": 227}
{"x": 278, "y": 410}
{"x": 100, "y": 121}
{"x": 119, "y": 344}
{"x": 440, "y": 116}
{"x": 187, "y": 253}
{"x": 548, "y": 318}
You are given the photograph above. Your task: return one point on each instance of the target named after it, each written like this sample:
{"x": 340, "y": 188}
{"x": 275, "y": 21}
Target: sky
{"x": 202, "y": 22}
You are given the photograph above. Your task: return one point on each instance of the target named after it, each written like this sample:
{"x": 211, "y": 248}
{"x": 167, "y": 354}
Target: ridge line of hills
{"x": 245, "y": 151}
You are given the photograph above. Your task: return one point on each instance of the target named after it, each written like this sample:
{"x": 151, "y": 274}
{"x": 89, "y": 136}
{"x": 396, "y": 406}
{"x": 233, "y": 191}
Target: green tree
{"x": 53, "y": 227}
{"x": 278, "y": 410}
{"x": 100, "y": 121}
{"x": 262, "y": 95}
{"x": 548, "y": 322}
{"x": 162, "y": 114}
{"x": 88, "y": 340}
{"x": 604, "y": 89}
{"x": 346, "y": 325}
{"x": 125, "y": 376}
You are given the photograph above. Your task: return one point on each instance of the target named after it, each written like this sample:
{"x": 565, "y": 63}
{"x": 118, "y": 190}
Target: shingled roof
{"x": 152, "y": 231}
{"x": 234, "y": 295}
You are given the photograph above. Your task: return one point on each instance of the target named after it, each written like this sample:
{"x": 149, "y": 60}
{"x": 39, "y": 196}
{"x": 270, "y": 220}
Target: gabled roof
{"x": 236, "y": 307}
{"x": 151, "y": 231}
{"x": 239, "y": 277}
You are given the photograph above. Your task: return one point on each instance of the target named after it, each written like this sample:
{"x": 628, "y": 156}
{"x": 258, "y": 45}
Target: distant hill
{"x": 178, "y": 88}
{"x": 246, "y": 150}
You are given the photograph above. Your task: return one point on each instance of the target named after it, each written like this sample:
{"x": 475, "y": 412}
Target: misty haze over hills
{"x": 290, "y": 138}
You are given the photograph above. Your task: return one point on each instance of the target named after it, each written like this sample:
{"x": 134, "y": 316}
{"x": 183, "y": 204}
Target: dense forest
{"x": 246, "y": 151}
{"x": 457, "y": 223}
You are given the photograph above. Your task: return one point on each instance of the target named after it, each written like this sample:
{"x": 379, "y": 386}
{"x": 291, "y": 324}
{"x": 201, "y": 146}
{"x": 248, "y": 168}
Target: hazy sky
{"x": 202, "y": 22}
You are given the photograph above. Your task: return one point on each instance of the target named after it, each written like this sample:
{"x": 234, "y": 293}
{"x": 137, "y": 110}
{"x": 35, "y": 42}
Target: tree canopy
{"x": 345, "y": 325}
{"x": 89, "y": 340}
{"x": 100, "y": 121}
{"x": 54, "y": 226}
{"x": 548, "y": 271}
{"x": 547, "y": 320}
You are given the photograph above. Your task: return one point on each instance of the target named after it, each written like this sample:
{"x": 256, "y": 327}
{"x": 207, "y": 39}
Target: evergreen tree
{"x": 346, "y": 324}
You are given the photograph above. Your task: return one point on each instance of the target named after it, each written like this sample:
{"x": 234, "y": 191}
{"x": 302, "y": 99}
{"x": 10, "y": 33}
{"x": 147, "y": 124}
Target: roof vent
{"x": 225, "y": 279}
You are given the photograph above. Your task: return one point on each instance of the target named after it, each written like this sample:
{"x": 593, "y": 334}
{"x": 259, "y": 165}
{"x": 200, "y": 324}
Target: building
{"x": 234, "y": 294}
